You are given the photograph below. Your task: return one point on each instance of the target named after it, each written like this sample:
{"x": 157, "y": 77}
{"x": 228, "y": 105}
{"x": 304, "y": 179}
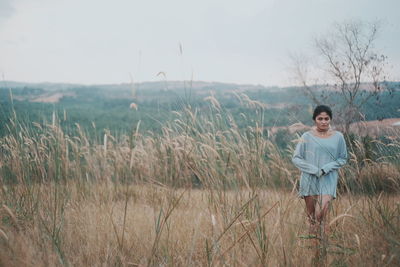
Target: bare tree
{"x": 354, "y": 70}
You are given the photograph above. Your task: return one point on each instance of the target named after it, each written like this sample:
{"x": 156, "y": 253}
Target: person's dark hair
{"x": 322, "y": 108}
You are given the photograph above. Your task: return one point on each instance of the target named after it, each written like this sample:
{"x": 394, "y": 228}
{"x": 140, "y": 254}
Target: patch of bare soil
{"x": 52, "y": 98}
{"x": 377, "y": 127}
{"x": 388, "y": 127}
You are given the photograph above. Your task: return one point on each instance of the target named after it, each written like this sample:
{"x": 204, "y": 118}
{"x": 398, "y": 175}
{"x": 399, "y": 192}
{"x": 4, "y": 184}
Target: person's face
{"x": 322, "y": 121}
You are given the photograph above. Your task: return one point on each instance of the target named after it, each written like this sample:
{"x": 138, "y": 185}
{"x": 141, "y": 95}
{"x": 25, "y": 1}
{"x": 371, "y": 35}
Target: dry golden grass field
{"x": 94, "y": 224}
{"x": 201, "y": 193}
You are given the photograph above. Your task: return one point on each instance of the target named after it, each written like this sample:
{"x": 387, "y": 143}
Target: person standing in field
{"x": 319, "y": 154}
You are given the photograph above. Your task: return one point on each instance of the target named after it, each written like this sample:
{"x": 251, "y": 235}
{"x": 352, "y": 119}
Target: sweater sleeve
{"x": 298, "y": 159}
{"x": 341, "y": 158}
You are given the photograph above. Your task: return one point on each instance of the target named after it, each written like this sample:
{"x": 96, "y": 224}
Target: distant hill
{"x": 159, "y": 85}
{"x": 109, "y": 106}
{"x": 44, "y": 85}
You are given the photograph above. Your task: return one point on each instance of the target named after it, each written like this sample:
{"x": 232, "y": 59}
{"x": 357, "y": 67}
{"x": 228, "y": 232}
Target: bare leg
{"x": 321, "y": 210}
{"x": 311, "y": 202}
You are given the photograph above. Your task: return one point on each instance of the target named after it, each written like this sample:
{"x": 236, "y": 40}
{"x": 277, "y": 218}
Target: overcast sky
{"x": 104, "y": 41}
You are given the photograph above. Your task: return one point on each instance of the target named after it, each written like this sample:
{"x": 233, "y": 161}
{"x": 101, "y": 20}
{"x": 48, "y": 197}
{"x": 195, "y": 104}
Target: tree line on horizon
{"x": 97, "y": 109}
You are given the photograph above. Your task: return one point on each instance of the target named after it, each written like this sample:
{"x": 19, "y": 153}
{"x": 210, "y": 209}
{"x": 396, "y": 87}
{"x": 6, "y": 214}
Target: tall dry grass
{"x": 152, "y": 225}
{"x": 202, "y": 193}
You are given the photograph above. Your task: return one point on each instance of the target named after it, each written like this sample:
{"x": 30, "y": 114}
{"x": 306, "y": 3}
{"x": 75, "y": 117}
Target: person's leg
{"x": 310, "y": 210}
{"x": 322, "y": 209}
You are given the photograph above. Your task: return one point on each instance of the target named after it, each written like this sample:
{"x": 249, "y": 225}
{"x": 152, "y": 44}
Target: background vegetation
{"x": 108, "y": 107}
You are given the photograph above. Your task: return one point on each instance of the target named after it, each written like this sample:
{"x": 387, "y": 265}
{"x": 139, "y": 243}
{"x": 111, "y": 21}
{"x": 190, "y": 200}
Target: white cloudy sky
{"x": 104, "y": 41}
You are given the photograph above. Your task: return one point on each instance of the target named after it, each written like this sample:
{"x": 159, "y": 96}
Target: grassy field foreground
{"x": 204, "y": 192}
{"x": 101, "y": 224}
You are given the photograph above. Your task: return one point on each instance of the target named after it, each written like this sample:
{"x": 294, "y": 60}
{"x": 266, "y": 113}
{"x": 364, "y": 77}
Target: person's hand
{"x": 321, "y": 173}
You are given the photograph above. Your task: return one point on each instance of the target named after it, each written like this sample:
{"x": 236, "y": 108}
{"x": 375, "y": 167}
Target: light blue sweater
{"x": 314, "y": 154}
